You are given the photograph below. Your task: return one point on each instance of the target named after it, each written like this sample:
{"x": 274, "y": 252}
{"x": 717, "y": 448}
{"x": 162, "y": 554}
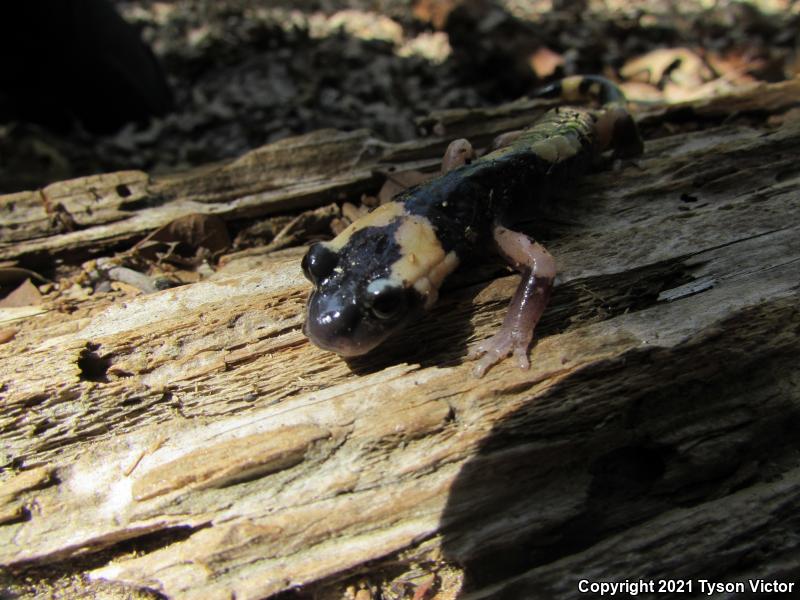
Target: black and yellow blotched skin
{"x": 387, "y": 267}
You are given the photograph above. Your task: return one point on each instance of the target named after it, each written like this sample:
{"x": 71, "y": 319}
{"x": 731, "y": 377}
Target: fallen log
{"x": 191, "y": 442}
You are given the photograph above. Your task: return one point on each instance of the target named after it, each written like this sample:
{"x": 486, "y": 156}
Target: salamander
{"x": 387, "y": 267}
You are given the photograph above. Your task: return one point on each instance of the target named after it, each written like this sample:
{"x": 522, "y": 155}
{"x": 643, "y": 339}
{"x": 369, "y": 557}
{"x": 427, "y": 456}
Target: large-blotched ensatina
{"x": 388, "y": 266}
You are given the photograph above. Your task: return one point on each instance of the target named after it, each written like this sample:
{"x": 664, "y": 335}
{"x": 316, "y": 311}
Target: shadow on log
{"x": 687, "y": 472}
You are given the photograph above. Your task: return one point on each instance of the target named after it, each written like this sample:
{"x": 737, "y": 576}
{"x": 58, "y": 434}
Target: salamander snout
{"x": 352, "y": 324}
{"x": 333, "y": 325}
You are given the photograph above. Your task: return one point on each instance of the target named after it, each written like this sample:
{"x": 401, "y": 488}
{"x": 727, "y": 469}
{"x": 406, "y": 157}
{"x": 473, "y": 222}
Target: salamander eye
{"x": 318, "y": 263}
{"x": 386, "y": 299}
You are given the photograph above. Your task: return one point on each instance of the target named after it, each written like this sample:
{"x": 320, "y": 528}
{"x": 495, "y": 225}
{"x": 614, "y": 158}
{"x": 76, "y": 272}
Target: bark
{"x": 192, "y": 442}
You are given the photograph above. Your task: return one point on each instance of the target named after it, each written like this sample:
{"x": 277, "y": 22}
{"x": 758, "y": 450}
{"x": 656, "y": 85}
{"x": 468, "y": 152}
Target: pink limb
{"x": 538, "y": 269}
{"x": 459, "y": 152}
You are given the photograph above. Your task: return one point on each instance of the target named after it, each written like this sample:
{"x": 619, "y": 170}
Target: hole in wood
{"x": 93, "y": 367}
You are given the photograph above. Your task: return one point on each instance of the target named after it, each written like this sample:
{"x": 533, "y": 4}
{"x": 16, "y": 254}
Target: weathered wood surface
{"x": 192, "y": 442}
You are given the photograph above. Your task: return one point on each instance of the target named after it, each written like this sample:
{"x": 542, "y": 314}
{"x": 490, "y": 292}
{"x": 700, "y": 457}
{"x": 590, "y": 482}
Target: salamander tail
{"x": 582, "y": 89}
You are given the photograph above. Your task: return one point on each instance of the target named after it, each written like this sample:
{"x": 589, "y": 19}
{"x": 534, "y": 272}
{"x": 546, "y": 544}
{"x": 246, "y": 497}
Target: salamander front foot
{"x": 538, "y": 269}
{"x": 491, "y": 351}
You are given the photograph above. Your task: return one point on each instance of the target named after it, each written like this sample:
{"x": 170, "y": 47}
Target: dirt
{"x": 245, "y": 73}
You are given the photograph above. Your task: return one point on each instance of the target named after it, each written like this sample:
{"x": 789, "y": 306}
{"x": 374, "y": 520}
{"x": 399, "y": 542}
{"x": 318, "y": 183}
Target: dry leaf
{"x": 434, "y": 12}
{"x": 126, "y": 288}
{"x": 544, "y": 62}
{"x": 635, "y": 90}
{"x": 187, "y": 237}
{"x": 308, "y": 223}
{"x": 7, "y": 334}
{"x": 26, "y": 294}
{"x": 680, "y": 65}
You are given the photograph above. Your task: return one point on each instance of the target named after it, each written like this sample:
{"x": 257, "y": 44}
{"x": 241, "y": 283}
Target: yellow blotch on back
{"x": 423, "y": 263}
{"x": 557, "y": 147}
{"x": 381, "y": 216}
{"x": 567, "y": 145}
{"x": 570, "y": 88}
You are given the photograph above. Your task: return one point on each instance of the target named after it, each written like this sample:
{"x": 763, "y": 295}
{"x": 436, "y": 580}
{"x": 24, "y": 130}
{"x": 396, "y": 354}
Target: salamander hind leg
{"x": 538, "y": 270}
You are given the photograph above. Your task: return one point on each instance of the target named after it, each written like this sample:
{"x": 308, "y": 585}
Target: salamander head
{"x": 356, "y": 304}
{"x": 372, "y": 279}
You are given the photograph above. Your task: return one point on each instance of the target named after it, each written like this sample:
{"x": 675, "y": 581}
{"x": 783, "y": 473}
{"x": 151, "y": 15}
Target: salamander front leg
{"x": 459, "y": 152}
{"x": 538, "y": 269}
